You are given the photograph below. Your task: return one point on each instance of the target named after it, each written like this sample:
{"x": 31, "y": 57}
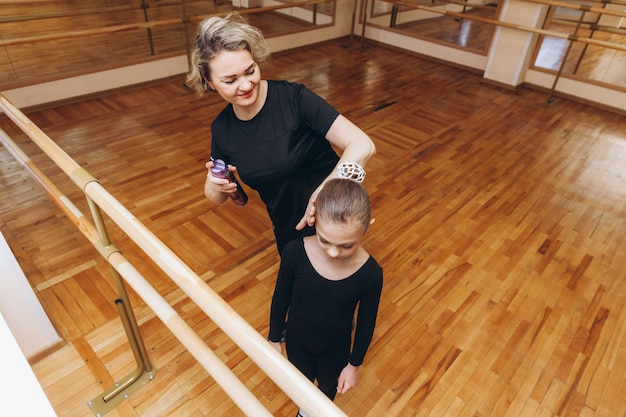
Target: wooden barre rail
{"x": 88, "y": 32}
{"x": 104, "y": 10}
{"x": 583, "y": 7}
{"x": 469, "y": 4}
{"x": 110, "y": 9}
{"x": 275, "y": 366}
{"x": 146, "y": 25}
{"x": 592, "y": 26}
{"x": 183, "y": 332}
{"x": 18, "y": 2}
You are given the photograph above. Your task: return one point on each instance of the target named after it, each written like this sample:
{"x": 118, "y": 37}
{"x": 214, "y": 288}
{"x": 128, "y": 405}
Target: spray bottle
{"x": 220, "y": 170}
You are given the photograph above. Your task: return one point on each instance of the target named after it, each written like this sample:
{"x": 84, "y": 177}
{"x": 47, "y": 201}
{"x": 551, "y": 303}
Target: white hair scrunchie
{"x": 351, "y": 171}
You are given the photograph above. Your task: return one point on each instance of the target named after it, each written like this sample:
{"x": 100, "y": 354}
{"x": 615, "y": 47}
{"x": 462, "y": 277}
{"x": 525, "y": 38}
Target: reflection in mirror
{"x": 290, "y": 20}
{"x": 604, "y": 64}
{"x": 64, "y": 53}
{"x": 462, "y": 24}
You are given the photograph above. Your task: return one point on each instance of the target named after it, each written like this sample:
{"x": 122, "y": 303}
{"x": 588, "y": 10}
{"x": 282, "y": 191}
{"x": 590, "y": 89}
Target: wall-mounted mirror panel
{"x": 460, "y": 24}
{"x": 61, "y": 52}
{"x": 604, "y": 62}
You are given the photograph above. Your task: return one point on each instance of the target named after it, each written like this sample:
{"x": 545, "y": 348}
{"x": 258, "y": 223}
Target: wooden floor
{"x": 500, "y": 225}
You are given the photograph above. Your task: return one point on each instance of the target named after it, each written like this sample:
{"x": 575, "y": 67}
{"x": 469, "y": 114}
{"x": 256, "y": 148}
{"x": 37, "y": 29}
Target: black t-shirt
{"x": 282, "y": 152}
{"x": 321, "y": 310}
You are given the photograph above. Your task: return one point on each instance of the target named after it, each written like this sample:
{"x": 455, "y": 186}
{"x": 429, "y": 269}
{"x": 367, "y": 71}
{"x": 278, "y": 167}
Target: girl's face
{"x": 338, "y": 240}
{"x": 236, "y": 77}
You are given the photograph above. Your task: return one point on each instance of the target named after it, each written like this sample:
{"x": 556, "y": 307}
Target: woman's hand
{"x": 309, "y": 215}
{"x": 348, "y": 378}
{"x": 217, "y": 189}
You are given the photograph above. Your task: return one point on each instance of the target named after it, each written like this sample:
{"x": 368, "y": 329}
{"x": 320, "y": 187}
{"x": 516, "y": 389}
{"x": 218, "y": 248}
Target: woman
{"x": 278, "y": 136}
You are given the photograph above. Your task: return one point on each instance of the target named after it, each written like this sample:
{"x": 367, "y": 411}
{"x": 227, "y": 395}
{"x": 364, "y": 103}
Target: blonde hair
{"x": 342, "y": 201}
{"x": 217, "y": 34}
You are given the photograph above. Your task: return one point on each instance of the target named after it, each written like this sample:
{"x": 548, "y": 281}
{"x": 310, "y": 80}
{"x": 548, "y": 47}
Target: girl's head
{"x": 223, "y": 34}
{"x": 342, "y": 216}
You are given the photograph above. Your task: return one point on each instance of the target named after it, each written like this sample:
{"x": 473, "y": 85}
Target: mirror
{"x": 603, "y": 64}
{"x": 62, "y": 53}
{"x": 462, "y": 24}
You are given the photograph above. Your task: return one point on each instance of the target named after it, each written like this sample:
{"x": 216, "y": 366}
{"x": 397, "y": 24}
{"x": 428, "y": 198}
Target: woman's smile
{"x": 247, "y": 94}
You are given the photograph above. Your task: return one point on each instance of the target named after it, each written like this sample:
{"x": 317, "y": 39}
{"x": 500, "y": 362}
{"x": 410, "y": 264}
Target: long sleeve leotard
{"x": 321, "y": 311}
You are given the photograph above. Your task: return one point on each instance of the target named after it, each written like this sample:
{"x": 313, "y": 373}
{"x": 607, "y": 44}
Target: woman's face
{"x": 236, "y": 77}
{"x": 338, "y": 240}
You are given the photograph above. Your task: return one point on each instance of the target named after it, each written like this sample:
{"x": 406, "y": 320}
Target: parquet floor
{"x": 500, "y": 224}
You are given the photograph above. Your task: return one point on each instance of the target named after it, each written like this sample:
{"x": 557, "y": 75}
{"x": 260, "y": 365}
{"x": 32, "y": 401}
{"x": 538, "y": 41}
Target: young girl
{"x": 321, "y": 281}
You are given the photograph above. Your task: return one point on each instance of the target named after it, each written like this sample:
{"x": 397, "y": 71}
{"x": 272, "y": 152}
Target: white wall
{"x": 21, "y": 395}
{"x": 87, "y": 84}
{"x": 512, "y": 49}
{"x": 20, "y": 307}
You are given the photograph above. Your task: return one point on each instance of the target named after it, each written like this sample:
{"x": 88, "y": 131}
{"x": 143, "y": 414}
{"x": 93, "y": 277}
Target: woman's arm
{"x": 355, "y": 145}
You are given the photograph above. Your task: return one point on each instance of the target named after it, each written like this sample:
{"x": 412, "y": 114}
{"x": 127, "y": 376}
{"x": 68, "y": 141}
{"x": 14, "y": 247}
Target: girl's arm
{"x": 281, "y": 299}
{"x": 366, "y": 318}
{"x": 365, "y": 324}
{"x": 348, "y": 378}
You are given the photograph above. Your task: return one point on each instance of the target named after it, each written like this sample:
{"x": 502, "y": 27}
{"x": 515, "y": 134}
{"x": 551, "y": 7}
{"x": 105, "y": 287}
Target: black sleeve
{"x": 282, "y": 295}
{"x": 316, "y": 112}
{"x": 366, "y": 318}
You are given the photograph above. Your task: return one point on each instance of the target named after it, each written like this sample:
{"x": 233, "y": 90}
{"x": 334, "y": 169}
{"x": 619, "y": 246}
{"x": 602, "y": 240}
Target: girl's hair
{"x": 342, "y": 201}
{"x": 217, "y": 34}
